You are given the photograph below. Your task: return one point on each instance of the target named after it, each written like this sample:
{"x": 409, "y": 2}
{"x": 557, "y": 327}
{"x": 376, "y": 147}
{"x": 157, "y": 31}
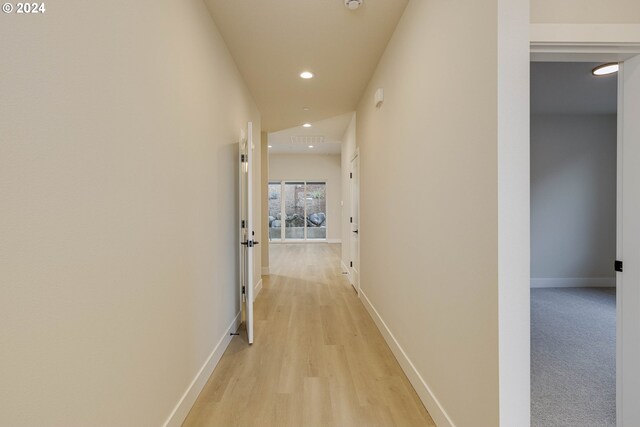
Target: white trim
{"x": 619, "y": 246}
{"x": 592, "y": 35}
{"x": 573, "y": 282}
{"x": 334, "y": 240}
{"x": 184, "y": 405}
{"x": 628, "y": 319}
{"x": 584, "y": 42}
{"x": 257, "y": 288}
{"x": 265, "y": 271}
{"x": 430, "y": 401}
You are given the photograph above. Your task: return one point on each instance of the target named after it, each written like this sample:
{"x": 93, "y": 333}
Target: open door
{"x": 628, "y": 280}
{"x": 355, "y": 222}
{"x": 247, "y": 243}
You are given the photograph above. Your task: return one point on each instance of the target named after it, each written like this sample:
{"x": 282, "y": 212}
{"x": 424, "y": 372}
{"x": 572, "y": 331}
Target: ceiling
{"x": 570, "y": 88}
{"x": 273, "y": 41}
{"x": 325, "y": 136}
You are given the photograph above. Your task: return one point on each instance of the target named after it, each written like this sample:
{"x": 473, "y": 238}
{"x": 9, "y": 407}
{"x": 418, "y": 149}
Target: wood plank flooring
{"x": 318, "y": 359}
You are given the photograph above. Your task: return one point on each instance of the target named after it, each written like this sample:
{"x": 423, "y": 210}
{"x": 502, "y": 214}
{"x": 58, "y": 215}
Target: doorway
{"x": 573, "y": 245}
{"x": 626, "y": 302}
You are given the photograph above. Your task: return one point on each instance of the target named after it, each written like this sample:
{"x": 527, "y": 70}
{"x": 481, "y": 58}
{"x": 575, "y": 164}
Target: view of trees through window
{"x": 299, "y": 208}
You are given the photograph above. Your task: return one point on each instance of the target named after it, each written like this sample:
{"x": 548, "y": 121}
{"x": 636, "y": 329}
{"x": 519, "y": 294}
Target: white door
{"x": 247, "y": 243}
{"x": 628, "y": 281}
{"x": 354, "y": 265}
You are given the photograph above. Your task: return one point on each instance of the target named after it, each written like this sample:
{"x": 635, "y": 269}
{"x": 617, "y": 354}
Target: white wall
{"x": 432, "y": 274}
{"x": 348, "y": 149}
{"x": 514, "y": 260}
{"x": 573, "y": 198}
{"x": 314, "y": 167}
{"x": 118, "y": 175}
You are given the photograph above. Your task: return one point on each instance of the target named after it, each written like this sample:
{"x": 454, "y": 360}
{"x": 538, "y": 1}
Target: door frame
{"x": 596, "y": 43}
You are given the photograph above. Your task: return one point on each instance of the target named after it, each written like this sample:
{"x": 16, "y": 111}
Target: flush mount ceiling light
{"x": 270, "y": 146}
{"x": 352, "y": 4}
{"x": 606, "y": 69}
{"x": 306, "y": 125}
{"x": 311, "y": 146}
{"x": 306, "y": 108}
{"x": 306, "y": 75}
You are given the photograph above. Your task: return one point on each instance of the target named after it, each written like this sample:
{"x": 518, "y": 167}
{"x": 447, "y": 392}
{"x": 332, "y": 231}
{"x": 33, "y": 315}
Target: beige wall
{"x": 430, "y": 209}
{"x": 118, "y": 175}
{"x": 585, "y": 12}
{"x": 429, "y": 202}
{"x": 322, "y": 167}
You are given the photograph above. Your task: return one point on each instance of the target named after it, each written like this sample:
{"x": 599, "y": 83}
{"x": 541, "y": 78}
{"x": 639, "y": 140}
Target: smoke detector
{"x": 353, "y": 4}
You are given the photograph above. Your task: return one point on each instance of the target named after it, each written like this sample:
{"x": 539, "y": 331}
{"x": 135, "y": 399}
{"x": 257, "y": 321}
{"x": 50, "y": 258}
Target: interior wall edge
{"x": 513, "y": 182}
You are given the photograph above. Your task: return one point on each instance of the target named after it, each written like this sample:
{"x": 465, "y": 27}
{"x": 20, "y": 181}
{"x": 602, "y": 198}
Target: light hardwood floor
{"x": 317, "y": 360}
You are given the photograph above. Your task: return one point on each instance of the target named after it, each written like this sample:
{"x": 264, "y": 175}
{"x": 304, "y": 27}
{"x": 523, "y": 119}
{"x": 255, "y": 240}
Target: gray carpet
{"x": 573, "y": 357}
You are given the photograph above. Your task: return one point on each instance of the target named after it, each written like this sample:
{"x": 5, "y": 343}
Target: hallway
{"x": 318, "y": 358}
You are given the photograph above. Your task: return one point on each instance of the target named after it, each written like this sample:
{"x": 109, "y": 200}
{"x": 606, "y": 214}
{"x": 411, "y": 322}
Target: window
{"x": 316, "y": 210}
{"x": 297, "y": 210}
{"x": 275, "y": 208}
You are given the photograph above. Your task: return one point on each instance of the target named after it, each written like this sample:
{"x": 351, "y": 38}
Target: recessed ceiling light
{"x": 306, "y": 125}
{"x": 270, "y": 146}
{"x": 306, "y": 75}
{"x": 311, "y": 146}
{"x": 352, "y": 4}
{"x": 306, "y": 108}
{"x": 606, "y": 69}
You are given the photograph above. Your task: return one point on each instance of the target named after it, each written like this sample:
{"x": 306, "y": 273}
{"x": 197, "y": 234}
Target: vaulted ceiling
{"x": 273, "y": 41}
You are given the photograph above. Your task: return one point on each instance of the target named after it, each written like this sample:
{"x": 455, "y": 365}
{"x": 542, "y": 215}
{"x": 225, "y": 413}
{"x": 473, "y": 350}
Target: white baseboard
{"x": 430, "y": 401}
{"x": 346, "y": 269}
{"x": 257, "y": 289}
{"x": 265, "y": 271}
{"x": 573, "y": 282}
{"x": 334, "y": 241}
{"x": 184, "y": 405}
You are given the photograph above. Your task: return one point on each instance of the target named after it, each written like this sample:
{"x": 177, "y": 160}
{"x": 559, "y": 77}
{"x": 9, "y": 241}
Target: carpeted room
{"x": 573, "y": 246}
